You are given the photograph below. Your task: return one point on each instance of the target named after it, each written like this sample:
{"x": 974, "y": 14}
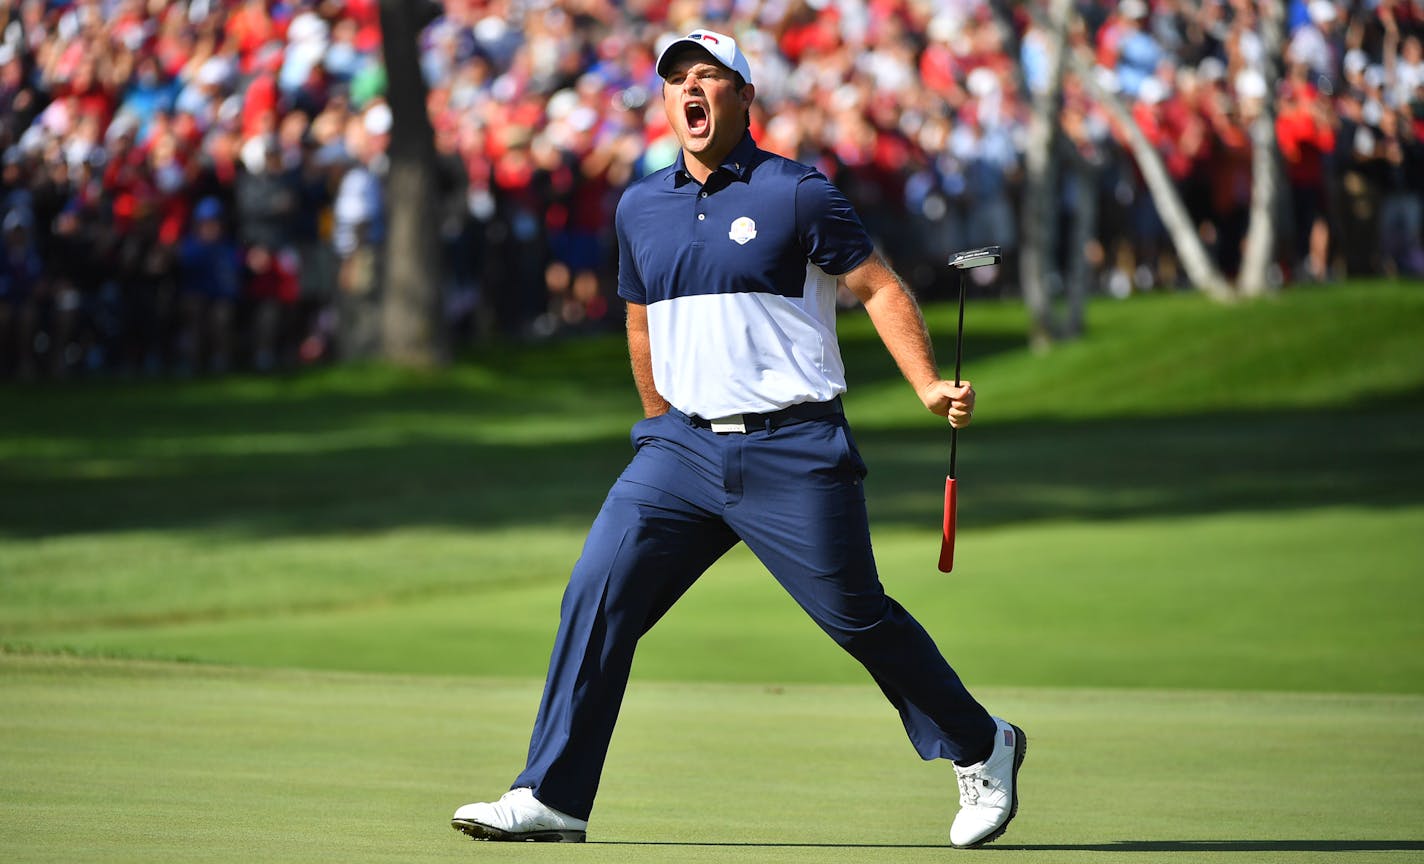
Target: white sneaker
{"x": 518, "y": 815}
{"x": 989, "y": 791}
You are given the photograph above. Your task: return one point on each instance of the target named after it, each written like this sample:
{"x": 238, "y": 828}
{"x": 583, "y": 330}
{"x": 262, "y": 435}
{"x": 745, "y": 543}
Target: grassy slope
{"x": 1194, "y": 482}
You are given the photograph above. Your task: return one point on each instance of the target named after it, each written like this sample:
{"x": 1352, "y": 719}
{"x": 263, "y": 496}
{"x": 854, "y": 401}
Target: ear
{"x": 748, "y": 93}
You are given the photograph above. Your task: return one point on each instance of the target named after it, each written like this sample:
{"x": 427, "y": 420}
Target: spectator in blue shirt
{"x": 209, "y": 285}
{"x": 21, "y": 281}
{"x": 149, "y": 95}
{"x": 1139, "y": 55}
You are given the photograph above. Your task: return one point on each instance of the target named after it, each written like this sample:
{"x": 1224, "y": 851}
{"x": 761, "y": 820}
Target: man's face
{"x": 704, "y": 107}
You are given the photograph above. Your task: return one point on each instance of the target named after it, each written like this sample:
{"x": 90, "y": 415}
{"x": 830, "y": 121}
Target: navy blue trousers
{"x": 794, "y": 496}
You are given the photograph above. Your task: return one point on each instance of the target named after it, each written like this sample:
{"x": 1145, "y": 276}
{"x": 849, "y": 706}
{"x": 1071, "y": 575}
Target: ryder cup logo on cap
{"x": 722, "y": 47}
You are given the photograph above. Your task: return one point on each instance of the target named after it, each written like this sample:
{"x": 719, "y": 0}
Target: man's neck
{"x": 698, "y": 169}
{"x": 702, "y": 165}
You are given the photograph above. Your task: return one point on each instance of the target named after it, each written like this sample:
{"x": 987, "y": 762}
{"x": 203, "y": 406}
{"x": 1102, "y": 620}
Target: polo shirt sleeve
{"x": 630, "y": 284}
{"x": 830, "y": 230}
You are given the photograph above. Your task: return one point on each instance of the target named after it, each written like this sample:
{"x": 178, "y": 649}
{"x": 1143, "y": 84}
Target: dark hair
{"x": 741, "y": 83}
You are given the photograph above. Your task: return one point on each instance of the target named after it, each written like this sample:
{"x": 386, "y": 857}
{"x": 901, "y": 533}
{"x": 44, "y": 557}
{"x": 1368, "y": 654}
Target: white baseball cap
{"x": 1321, "y": 11}
{"x": 722, "y": 47}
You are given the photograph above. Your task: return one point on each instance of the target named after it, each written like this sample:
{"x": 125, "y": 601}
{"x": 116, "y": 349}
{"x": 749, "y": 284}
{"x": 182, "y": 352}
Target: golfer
{"x": 728, "y": 261}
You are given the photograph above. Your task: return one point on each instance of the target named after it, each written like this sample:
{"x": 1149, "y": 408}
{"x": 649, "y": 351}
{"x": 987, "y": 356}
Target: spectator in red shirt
{"x": 250, "y": 27}
{"x": 1229, "y": 172}
{"x": 90, "y": 89}
{"x": 1184, "y": 119}
{"x": 1305, "y": 131}
{"x": 809, "y": 26}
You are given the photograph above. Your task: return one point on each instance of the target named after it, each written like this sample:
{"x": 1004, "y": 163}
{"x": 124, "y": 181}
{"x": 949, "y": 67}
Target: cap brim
{"x": 676, "y": 49}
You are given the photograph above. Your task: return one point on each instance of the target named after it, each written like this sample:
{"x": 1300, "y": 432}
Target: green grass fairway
{"x": 135, "y": 762}
{"x": 1096, "y": 605}
{"x": 1189, "y": 566}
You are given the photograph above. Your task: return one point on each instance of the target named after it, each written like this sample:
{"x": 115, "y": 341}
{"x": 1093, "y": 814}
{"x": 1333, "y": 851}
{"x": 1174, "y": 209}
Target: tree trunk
{"x": 412, "y": 332}
{"x": 1040, "y": 206}
{"x": 1254, "y": 279}
{"x": 1083, "y": 171}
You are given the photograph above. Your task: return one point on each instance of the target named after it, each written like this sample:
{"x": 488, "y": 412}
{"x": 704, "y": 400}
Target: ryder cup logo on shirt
{"x": 743, "y": 230}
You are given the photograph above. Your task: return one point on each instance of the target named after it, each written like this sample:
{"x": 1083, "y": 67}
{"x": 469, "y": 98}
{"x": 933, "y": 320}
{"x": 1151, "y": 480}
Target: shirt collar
{"x": 738, "y": 162}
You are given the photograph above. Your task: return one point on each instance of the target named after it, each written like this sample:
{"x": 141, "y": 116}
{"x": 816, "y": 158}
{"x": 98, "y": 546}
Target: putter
{"x": 961, "y": 262}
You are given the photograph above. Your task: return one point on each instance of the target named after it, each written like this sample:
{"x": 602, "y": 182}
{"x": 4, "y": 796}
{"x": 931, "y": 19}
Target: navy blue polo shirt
{"x": 739, "y": 277}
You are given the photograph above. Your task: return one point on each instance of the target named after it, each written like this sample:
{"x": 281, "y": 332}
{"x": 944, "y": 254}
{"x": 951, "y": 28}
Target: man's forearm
{"x": 640, "y": 355}
{"x": 901, "y": 326}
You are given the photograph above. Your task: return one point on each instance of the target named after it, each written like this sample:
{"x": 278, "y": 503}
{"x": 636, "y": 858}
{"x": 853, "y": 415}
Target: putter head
{"x": 972, "y": 258}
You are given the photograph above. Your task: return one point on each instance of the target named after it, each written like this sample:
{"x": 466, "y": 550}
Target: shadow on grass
{"x": 753, "y": 845}
{"x": 1117, "y": 846}
{"x": 1151, "y": 467}
{"x": 1221, "y": 846}
{"x": 566, "y": 379}
{"x": 411, "y": 475}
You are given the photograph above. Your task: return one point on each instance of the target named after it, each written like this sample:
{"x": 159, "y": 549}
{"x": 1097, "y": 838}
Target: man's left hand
{"x": 947, "y": 400}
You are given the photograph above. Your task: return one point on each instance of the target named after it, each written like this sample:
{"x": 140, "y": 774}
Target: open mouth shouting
{"x": 695, "y": 113}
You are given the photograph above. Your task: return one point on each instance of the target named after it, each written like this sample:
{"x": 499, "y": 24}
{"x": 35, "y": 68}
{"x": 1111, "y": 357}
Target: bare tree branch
{"x": 1254, "y": 279}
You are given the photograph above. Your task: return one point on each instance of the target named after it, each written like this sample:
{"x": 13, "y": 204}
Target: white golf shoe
{"x": 518, "y": 815}
{"x": 989, "y": 790}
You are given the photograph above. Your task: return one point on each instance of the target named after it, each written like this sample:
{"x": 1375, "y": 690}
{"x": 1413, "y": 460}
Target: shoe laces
{"x": 971, "y": 780}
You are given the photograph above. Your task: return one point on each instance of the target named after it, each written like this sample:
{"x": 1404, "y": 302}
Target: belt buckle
{"x": 731, "y": 423}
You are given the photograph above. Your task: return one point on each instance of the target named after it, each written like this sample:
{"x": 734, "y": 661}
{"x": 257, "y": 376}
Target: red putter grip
{"x": 951, "y": 512}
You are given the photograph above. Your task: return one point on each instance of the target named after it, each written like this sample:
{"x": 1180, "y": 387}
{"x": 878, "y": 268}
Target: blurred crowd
{"x": 195, "y": 186}
{"x": 1349, "y": 115}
